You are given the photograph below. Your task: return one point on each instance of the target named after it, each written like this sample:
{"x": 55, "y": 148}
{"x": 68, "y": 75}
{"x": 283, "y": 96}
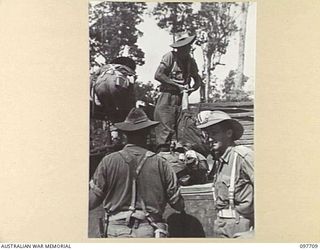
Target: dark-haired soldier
{"x": 135, "y": 184}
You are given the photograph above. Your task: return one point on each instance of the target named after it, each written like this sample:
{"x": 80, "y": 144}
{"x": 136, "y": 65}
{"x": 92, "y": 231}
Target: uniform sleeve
{"x": 248, "y": 165}
{"x": 167, "y": 61}
{"x": 171, "y": 181}
{"x": 98, "y": 182}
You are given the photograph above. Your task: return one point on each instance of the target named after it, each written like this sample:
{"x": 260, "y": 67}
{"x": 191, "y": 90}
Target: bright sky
{"x": 155, "y": 43}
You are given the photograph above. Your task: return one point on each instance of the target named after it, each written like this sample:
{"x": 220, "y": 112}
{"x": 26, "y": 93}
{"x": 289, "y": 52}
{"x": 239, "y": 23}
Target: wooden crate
{"x": 200, "y": 213}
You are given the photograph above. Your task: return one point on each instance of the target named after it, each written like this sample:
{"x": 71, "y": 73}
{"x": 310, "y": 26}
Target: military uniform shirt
{"x": 177, "y": 69}
{"x": 244, "y": 180}
{"x": 156, "y": 183}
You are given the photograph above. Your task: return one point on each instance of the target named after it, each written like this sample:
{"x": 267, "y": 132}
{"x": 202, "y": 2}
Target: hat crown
{"x": 212, "y": 117}
{"x": 136, "y": 115}
{"x": 136, "y": 120}
{"x": 183, "y": 41}
{"x": 209, "y": 118}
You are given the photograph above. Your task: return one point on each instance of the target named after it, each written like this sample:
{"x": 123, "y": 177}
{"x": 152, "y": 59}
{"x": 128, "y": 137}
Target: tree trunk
{"x": 242, "y": 38}
{"x": 204, "y": 91}
{"x": 208, "y": 74}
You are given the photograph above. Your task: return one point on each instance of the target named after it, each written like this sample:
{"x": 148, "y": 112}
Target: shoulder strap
{"x": 242, "y": 150}
{"x": 174, "y": 62}
{"x": 146, "y": 155}
{"x": 137, "y": 171}
{"x": 232, "y": 181}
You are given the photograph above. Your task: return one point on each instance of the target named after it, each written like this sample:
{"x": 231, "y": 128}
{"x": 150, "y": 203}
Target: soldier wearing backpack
{"x": 234, "y": 176}
{"x": 135, "y": 184}
{"x": 112, "y": 89}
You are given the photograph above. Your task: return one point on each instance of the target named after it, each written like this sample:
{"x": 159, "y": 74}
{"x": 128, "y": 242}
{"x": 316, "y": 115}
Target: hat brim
{"x": 184, "y": 42}
{"x": 126, "y": 126}
{"x": 236, "y": 126}
{"x": 237, "y": 129}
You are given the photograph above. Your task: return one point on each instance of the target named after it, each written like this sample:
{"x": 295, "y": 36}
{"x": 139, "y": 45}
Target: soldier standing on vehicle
{"x": 233, "y": 180}
{"x": 135, "y": 184}
{"x": 174, "y": 73}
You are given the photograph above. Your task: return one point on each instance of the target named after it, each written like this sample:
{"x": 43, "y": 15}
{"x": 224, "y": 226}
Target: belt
{"x": 168, "y": 89}
{"x": 228, "y": 214}
{"x": 138, "y": 214}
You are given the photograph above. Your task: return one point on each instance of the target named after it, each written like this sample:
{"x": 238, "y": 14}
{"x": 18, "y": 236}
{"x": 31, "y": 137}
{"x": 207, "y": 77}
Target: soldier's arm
{"x": 97, "y": 186}
{"x": 172, "y": 188}
{"x": 161, "y": 76}
{"x": 94, "y": 200}
{"x": 248, "y": 166}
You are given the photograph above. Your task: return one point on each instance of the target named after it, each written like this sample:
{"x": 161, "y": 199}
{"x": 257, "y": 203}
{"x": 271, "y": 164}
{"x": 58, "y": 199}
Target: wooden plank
{"x": 245, "y": 142}
{"x": 248, "y": 129}
{"x": 223, "y": 104}
{"x": 238, "y": 115}
{"x": 248, "y": 126}
{"x": 244, "y": 122}
{"x": 246, "y": 137}
{"x": 248, "y": 132}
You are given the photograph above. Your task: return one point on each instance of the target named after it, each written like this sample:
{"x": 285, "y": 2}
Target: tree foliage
{"x": 145, "y": 92}
{"x": 231, "y": 93}
{"x": 112, "y": 30}
{"x": 175, "y": 17}
{"x": 214, "y": 24}
{"x": 230, "y": 81}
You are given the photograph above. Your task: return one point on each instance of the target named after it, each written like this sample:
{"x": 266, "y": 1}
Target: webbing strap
{"x": 232, "y": 181}
{"x": 146, "y": 155}
{"x": 134, "y": 180}
{"x": 143, "y": 205}
{"x": 148, "y": 217}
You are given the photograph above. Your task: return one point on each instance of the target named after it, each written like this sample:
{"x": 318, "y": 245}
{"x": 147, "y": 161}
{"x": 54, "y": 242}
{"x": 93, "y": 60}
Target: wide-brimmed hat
{"x": 208, "y": 118}
{"x": 135, "y": 120}
{"x": 183, "y": 41}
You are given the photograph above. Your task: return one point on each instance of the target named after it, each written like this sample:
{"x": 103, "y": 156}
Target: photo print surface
{"x": 171, "y": 119}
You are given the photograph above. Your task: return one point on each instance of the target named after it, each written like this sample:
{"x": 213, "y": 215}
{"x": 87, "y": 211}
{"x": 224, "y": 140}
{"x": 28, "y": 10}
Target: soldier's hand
{"x": 182, "y": 88}
{"x": 190, "y": 90}
{"x": 191, "y": 159}
{"x": 179, "y": 82}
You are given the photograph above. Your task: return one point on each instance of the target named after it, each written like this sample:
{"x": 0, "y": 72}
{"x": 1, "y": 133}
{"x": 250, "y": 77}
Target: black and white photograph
{"x": 172, "y": 89}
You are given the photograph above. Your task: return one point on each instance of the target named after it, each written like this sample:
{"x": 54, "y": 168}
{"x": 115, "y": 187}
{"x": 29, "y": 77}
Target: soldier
{"x": 174, "y": 73}
{"x": 135, "y": 184}
{"x": 233, "y": 180}
{"x": 112, "y": 89}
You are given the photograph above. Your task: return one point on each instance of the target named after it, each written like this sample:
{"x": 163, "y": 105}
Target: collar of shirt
{"x": 226, "y": 155}
{"x": 137, "y": 150}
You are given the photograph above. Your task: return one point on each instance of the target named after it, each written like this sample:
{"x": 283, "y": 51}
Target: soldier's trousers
{"x": 120, "y": 229}
{"x": 227, "y": 227}
{"x": 167, "y": 111}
